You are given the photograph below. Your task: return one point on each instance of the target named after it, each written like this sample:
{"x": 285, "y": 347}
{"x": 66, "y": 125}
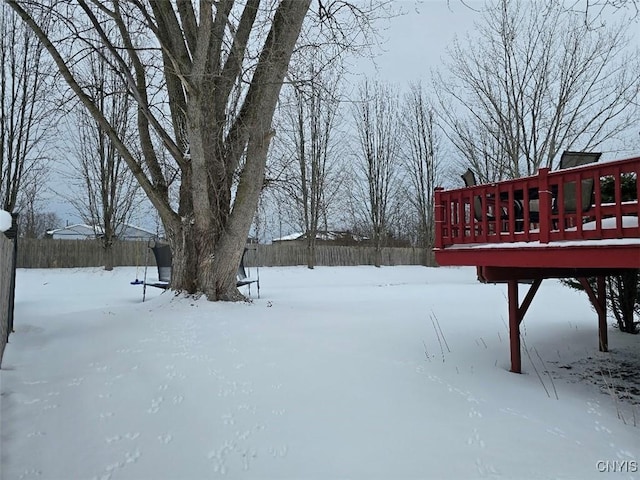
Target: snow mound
{"x": 5, "y": 221}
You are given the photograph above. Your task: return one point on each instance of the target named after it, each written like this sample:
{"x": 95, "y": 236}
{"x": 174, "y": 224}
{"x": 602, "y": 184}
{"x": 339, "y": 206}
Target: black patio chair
{"x": 469, "y": 179}
{"x": 162, "y": 254}
{"x": 570, "y": 160}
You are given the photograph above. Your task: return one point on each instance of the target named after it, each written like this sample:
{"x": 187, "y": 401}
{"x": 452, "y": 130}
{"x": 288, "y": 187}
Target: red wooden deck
{"x": 602, "y": 239}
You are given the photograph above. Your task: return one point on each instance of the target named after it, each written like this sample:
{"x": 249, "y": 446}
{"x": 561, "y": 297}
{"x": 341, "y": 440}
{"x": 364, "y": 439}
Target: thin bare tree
{"x": 536, "y": 80}
{"x": 26, "y": 110}
{"x": 422, "y": 155}
{"x": 306, "y": 152}
{"x": 34, "y": 220}
{"x": 378, "y": 128}
{"x": 106, "y": 193}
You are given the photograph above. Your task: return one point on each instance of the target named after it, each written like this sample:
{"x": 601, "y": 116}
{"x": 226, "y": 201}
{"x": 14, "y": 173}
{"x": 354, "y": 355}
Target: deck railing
{"x": 505, "y": 212}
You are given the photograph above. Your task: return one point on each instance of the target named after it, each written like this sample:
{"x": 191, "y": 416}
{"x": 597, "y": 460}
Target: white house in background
{"x": 324, "y": 237}
{"x": 81, "y": 231}
{"x": 132, "y": 232}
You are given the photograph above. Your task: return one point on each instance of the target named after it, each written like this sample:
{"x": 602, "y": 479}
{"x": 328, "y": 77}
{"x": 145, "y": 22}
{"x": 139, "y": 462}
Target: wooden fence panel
{"x": 279, "y": 254}
{"x": 48, "y": 253}
{"x": 6, "y": 276}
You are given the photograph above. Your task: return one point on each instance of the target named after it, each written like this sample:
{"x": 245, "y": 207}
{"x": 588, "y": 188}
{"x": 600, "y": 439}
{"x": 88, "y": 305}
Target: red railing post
{"x": 544, "y": 198}
{"x": 439, "y": 217}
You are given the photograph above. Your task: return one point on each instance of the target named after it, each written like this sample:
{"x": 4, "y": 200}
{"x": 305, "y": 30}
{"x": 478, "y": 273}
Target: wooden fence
{"x": 7, "y": 288}
{"x": 48, "y": 253}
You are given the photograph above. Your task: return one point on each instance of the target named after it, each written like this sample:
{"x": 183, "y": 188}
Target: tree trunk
{"x": 378, "y": 253}
{"x": 628, "y": 291}
{"x": 311, "y": 251}
{"x": 184, "y": 260}
{"x": 108, "y": 257}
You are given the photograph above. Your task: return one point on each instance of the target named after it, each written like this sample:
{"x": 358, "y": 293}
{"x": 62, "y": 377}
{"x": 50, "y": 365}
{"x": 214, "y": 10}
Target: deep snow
{"x": 335, "y": 373}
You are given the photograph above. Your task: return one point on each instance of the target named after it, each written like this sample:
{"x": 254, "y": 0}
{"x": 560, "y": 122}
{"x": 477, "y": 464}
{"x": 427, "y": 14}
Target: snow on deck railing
{"x": 547, "y": 207}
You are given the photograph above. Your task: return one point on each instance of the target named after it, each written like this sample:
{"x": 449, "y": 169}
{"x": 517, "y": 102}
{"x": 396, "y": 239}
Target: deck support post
{"x": 599, "y": 301}
{"x": 514, "y": 326}
{"x": 516, "y": 315}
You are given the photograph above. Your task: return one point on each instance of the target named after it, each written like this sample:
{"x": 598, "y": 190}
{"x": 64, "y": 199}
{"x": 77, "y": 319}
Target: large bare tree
{"x": 536, "y": 80}
{"x": 206, "y": 77}
{"x": 25, "y": 110}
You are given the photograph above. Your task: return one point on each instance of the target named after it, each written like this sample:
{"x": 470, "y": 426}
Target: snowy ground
{"x": 337, "y": 373}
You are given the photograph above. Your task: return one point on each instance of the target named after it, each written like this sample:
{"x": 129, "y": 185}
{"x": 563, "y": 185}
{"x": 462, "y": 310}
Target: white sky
{"x": 417, "y": 41}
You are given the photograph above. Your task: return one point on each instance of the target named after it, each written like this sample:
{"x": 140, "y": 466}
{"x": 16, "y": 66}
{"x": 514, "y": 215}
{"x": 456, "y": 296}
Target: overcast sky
{"x": 416, "y": 41}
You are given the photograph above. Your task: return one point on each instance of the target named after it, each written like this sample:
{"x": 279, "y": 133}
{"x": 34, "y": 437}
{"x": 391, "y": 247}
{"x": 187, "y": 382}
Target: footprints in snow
{"x": 155, "y": 404}
{"x": 237, "y": 453}
{"x": 29, "y": 473}
{"x": 475, "y": 439}
{"x": 473, "y": 413}
{"x": 128, "y": 458}
{"x": 556, "y": 431}
{"x": 475, "y": 416}
{"x": 601, "y": 428}
{"x": 76, "y": 382}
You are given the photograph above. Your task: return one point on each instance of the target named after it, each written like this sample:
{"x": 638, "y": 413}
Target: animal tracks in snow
{"x": 601, "y": 428}
{"x": 173, "y": 374}
{"x": 556, "y": 431}
{"x": 228, "y": 419}
{"x": 515, "y": 413}
{"x": 230, "y": 452}
{"x": 76, "y": 382}
{"x": 128, "y": 458}
{"x": 475, "y": 439}
{"x": 34, "y": 382}
{"x": 233, "y": 388}
{"x": 32, "y": 472}
{"x": 155, "y": 405}
{"x": 473, "y": 413}
{"x": 119, "y": 438}
{"x": 278, "y": 452}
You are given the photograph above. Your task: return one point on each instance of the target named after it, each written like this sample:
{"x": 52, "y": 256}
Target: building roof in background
{"x": 327, "y": 236}
{"x": 78, "y": 229}
{"x": 93, "y": 231}
{"x": 126, "y": 230}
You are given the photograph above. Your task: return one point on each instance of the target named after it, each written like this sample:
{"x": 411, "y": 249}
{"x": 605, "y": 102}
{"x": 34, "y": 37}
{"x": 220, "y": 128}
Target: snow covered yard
{"x": 336, "y": 373}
